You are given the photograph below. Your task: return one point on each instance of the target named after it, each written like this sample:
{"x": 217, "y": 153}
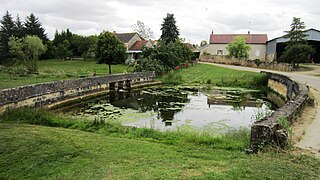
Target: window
{"x": 219, "y": 52}
{"x": 257, "y": 53}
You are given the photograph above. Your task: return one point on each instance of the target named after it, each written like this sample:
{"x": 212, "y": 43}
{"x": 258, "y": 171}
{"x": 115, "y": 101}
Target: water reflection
{"x": 173, "y": 108}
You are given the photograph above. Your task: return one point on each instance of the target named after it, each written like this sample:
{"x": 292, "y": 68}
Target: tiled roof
{"x": 138, "y": 45}
{"x": 125, "y": 37}
{"x": 227, "y": 38}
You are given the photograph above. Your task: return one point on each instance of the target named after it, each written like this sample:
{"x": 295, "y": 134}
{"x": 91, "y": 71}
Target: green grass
{"x": 83, "y": 150}
{"x": 38, "y": 152}
{"x": 54, "y": 70}
{"x": 209, "y": 74}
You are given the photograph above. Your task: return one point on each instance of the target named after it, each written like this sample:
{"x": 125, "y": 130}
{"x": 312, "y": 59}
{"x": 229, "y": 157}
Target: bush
{"x": 147, "y": 64}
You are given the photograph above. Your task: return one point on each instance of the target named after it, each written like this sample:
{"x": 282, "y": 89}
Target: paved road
{"x": 311, "y": 139}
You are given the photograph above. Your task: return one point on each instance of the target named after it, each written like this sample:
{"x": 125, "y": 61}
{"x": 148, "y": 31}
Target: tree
{"x": 63, "y": 50}
{"x": 34, "y": 27}
{"x": 7, "y": 30}
{"x": 203, "y": 43}
{"x": 297, "y": 50}
{"x": 170, "y": 32}
{"x": 27, "y": 49}
{"x": 296, "y": 33}
{"x": 19, "y": 28}
{"x": 143, "y": 30}
{"x": 238, "y": 48}
{"x": 110, "y": 49}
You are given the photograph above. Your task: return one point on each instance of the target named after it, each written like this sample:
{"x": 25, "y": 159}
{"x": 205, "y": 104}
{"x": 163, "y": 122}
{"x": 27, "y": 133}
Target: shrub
{"x": 147, "y": 64}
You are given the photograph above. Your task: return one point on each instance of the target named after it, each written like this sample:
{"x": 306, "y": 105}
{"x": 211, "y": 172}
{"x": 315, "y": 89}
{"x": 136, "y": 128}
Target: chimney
{"x": 248, "y": 32}
{"x": 212, "y": 32}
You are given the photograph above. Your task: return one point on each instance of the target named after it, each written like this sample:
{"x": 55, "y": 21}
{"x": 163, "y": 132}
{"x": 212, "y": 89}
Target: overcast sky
{"x": 195, "y": 18}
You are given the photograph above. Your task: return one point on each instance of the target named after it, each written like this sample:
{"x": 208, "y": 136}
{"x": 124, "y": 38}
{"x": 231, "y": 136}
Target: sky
{"x": 196, "y": 19}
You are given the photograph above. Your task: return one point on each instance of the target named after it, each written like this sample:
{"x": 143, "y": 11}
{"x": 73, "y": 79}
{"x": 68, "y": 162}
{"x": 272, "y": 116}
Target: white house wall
{"x": 258, "y": 51}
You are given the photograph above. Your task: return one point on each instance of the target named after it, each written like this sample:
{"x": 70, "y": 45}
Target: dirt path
{"x": 310, "y": 121}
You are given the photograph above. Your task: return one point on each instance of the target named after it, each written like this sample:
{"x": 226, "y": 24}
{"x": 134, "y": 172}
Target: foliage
{"x": 170, "y": 32}
{"x": 297, "y": 53}
{"x": 238, "y": 48}
{"x": 203, "y": 43}
{"x": 144, "y": 31}
{"x": 34, "y": 27}
{"x": 110, "y": 50}
{"x": 27, "y": 50}
{"x": 147, "y": 64}
{"x": 7, "y": 30}
{"x": 297, "y": 50}
{"x": 63, "y": 50}
{"x": 168, "y": 55}
{"x": 296, "y": 33}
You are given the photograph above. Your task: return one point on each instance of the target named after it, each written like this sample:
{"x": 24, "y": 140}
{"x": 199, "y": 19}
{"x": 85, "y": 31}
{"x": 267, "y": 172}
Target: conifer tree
{"x": 6, "y": 31}
{"x": 170, "y": 32}
{"x": 34, "y": 27}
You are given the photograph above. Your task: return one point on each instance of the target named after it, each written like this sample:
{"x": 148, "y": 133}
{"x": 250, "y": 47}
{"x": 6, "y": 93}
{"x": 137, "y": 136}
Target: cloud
{"x": 195, "y": 19}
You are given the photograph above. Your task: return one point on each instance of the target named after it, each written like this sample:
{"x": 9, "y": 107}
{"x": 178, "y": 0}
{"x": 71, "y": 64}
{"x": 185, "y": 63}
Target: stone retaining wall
{"x": 268, "y": 131}
{"x": 222, "y": 59}
{"x": 46, "y": 93}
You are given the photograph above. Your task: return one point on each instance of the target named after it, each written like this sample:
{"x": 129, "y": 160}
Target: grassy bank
{"x": 55, "y": 70}
{"x": 218, "y": 76}
{"x": 33, "y": 152}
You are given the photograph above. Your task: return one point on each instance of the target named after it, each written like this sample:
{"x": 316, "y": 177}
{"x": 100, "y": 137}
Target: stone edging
{"x": 268, "y": 131}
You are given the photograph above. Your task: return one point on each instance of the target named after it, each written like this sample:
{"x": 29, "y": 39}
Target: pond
{"x": 177, "y": 107}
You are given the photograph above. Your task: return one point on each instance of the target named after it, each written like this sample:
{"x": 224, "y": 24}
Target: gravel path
{"x": 311, "y": 140}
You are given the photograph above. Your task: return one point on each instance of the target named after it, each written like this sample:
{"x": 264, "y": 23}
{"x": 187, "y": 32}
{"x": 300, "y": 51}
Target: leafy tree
{"x": 203, "y": 43}
{"x": 167, "y": 55}
{"x": 63, "y": 50}
{"x": 170, "y": 32}
{"x": 27, "y": 49}
{"x": 147, "y": 64}
{"x": 143, "y": 30}
{"x": 238, "y": 48}
{"x": 34, "y": 27}
{"x": 110, "y": 49}
{"x": 297, "y": 50}
{"x": 297, "y": 53}
{"x": 7, "y": 30}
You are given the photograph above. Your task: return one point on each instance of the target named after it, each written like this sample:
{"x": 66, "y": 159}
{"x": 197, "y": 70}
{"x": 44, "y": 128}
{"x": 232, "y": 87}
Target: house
{"x": 134, "y": 52}
{"x": 219, "y": 42}
{"x": 134, "y": 44}
{"x": 276, "y": 47}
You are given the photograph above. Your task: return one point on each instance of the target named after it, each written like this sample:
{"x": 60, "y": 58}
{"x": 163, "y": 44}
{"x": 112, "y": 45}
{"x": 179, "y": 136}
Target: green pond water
{"x": 175, "y": 108}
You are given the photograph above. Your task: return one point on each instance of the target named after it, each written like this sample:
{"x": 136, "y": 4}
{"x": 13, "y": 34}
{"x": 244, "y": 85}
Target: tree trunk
{"x": 109, "y": 68}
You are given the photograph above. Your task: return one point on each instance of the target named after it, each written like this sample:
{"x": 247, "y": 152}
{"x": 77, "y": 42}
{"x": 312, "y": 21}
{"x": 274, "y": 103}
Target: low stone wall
{"x": 268, "y": 131}
{"x": 46, "y": 93}
{"x": 222, "y": 59}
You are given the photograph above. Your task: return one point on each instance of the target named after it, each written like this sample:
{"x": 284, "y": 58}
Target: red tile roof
{"x": 227, "y": 38}
{"x": 138, "y": 45}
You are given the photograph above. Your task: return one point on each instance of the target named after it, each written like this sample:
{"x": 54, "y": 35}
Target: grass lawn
{"x": 55, "y": 70}
{"x": 209, "y": 74}
{"x": 33, "y": 152}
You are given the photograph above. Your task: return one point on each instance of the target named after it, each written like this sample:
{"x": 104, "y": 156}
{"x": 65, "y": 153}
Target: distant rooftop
{"x": 138, "y": 45}
{"x": 227, "y": 38}
{"x": 125, "y": 37}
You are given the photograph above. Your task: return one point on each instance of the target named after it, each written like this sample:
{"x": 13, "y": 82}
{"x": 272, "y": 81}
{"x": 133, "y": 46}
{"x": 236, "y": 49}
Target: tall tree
{"x": 296, "y": 33}
{"x": 19, "y": 28}
{"x": 238, "y": 47}
{"x": 7, "y": 30}
{"x": 110, "y": 49}
{"x": 170, "y": 32}
{"x": 143, "y": 30}
{"x": 297, "y": 50}
{"x": 34, "y": 27}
